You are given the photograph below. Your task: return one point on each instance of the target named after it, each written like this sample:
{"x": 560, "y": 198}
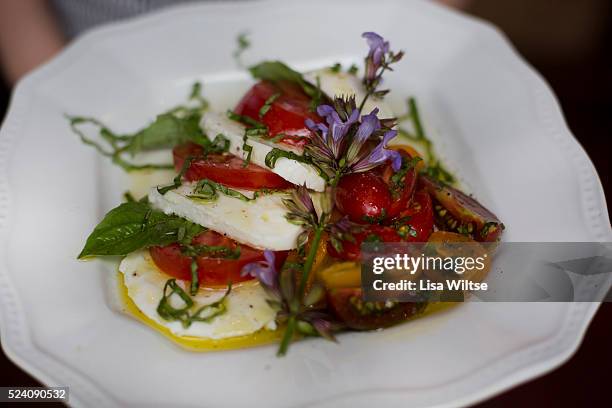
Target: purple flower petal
{"x": 269, "y": 256}
{"x": 369, "y": 124}
{"x": 310, "y": 124}
{"x": 324, "y": 110}
{"x": 374, "y": 40}
{"x": 264, "y": 271}
{"x": 378, "y": 49}
{"x": 377, "y": 56}
{"x": 379, "y": 155}
{"x": 396, "y": 159}
{"x": 304, "y": 197}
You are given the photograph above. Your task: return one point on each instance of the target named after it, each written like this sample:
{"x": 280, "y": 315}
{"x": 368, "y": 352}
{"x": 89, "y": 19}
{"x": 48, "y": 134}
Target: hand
{"x": 29, "y": 35}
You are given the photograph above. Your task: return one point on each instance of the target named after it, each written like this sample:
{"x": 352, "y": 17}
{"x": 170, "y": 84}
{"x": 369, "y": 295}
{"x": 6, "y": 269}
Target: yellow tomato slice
{"x": 341, "y": 275}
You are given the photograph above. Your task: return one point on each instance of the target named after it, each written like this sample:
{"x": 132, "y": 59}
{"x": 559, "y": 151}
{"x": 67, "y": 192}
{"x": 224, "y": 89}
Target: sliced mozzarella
{"x": 260, "y": 223}
{"x": 343, "y": 83}
{"x": 295, "y": 172}
{"x": 247, "y": 310}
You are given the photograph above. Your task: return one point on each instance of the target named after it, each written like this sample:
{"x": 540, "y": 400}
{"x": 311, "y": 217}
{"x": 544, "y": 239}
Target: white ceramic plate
{"x": 494, "y": 120}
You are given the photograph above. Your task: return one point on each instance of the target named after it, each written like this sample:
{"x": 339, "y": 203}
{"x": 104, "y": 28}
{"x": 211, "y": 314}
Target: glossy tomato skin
{"x": 226, "y": 169}
{"x": 348, "y": 306}
{"x": 415, "y": 224}
{"x": 351, "y": 251}
{"x": 364, "y": 197}
{"x": 286, "y": 114}
{"x": 375, "y": 195}
{"x": 211, "y": 271}
{"x": 402, "y": 190}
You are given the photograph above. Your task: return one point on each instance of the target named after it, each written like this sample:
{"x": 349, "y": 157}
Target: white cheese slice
{"x": 247, "y": 310}
{"x": 260, "y": 223}
{"x": 214, "y": 123}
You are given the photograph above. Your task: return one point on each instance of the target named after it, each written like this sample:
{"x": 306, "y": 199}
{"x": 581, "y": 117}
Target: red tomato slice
{"x": 286, "y": 114}
{"x": 225, "y": 169}
{"x": 211, "y": 271}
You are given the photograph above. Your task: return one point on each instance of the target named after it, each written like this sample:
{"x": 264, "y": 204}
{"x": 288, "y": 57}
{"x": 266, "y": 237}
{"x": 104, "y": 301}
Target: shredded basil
{"x": 268, "y": 104}
{"x": 254, "y": 128}
{"x": 267, "y": 191}
{"x": 246, "y": 147}
{"x": 195, "y": 278}
{"x": 373, "y": 238}
{"x": 276, "y": 153}
{"x": 242, "y": 44}
{"x": 182, "y": 313}
{"x": 397, "y": 179}
{"x": 211, "y": 251}
{"x": 220, "y": 144}
{"x": 206, "y": 190}
{"x": 177, "y": 181}
{"x": 246, "y": 120}
{"x": 178, "y": 125}
{"x": 337, "y": 67}
{"x": 375, "y": 219}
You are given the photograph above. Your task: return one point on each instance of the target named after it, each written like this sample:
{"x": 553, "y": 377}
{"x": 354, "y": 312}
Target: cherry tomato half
{"x": 415, "y": 224}
{"x": 377, "y": 194}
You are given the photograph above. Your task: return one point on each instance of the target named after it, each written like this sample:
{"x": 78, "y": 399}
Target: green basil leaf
{"x": 135, "y": 225}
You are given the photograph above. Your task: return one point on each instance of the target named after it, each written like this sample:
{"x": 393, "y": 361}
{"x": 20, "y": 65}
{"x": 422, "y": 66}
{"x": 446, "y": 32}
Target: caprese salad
{"x": 258, "y": 235}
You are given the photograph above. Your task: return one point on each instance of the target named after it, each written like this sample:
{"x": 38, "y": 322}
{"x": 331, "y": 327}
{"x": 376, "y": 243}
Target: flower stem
{"x": 292, "y": 322}
{"x": 371, "y": 88}
{"x": 336, "y": 179}
{"x": 284, "y": 344}
{"x": 309, "y": 261}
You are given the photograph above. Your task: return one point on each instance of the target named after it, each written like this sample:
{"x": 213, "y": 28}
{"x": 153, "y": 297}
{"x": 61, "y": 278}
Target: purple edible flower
{"x": 378, "y": 48}
{"x": 379, "y": 155}
{"x": 341, "y": 146}
{"x": 379, "y": 59}
{"x": 264, "y": 271}
{"x": 369, "y": 124}
{"x": 334, "y": 134}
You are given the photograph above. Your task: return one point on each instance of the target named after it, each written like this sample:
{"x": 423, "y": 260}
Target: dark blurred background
{"x": 570, "y": 43}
